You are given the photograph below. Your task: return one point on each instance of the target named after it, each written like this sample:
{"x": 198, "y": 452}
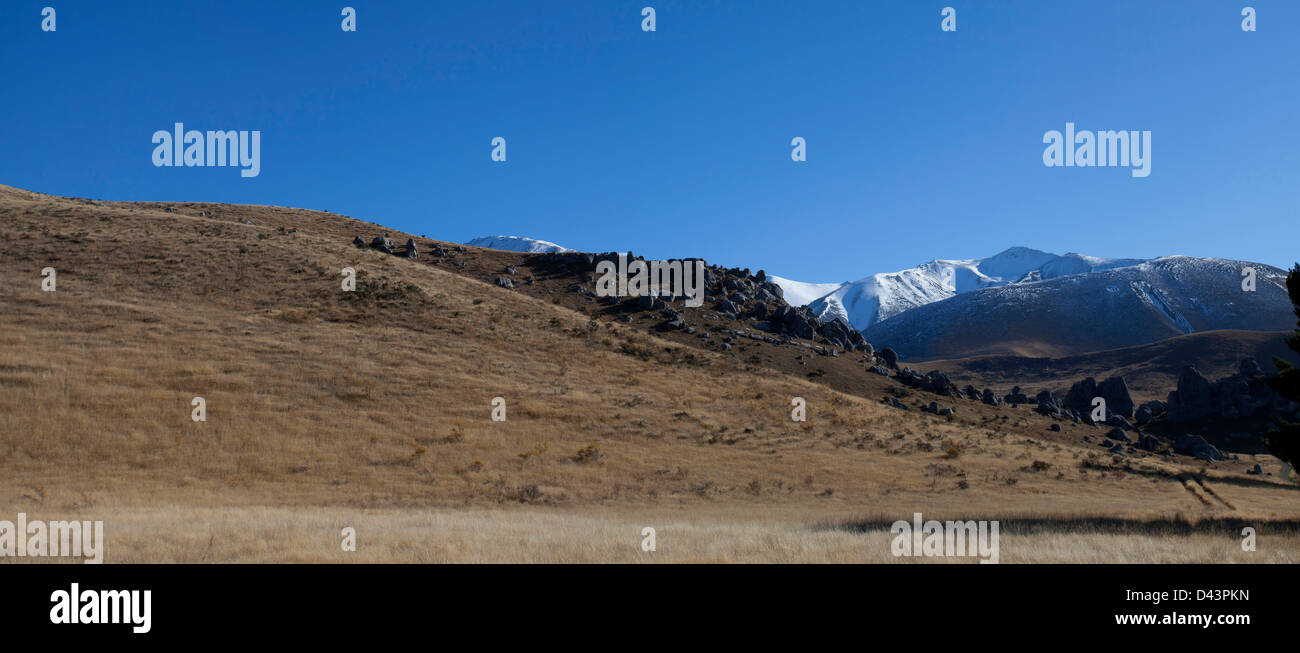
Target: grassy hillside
{"x": 373, "y": 409}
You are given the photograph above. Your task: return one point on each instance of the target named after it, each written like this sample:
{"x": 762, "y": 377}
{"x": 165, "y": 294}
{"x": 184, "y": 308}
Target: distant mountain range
{"x": 1029, "y": 302}
{"x": 878, "y": 297}
{"x": 1073, "y": 303}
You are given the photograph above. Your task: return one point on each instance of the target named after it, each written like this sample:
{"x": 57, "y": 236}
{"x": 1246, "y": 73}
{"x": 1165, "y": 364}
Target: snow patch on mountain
{"x": 517, "y": 244}
{"x": 799, "y": 293}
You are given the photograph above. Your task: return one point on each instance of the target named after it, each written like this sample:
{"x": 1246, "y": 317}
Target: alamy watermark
{"x": 78, "y": 606}
{"x": 55, "y": 539}
{"x": 1085, "y": 149}
{"x": 946, "y": 539}
{"x": 654, "y": 278}
{"x": 194, "y": 148}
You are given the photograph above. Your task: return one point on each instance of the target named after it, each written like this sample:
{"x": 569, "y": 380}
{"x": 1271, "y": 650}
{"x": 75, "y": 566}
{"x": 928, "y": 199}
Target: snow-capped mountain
{"x": 878, "y": 297}
{"x": 1050, "y": 312}
{"x": 517, "y": 244}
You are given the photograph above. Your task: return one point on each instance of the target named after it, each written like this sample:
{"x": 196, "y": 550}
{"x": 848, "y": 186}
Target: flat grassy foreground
{"x": 717, "y": 534}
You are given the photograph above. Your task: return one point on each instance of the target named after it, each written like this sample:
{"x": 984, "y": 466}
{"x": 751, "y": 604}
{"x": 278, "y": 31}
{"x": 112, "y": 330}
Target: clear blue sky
{"x": 921, "y": 144}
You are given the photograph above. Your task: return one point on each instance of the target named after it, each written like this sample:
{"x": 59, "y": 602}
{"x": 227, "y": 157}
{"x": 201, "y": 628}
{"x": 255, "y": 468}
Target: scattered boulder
{"x": 505, "y": 282}
{"x": 1016, "y": 397}
{"x": 1196, "y": 446}
{"x": 837, "y": 333}
{"x": 382, "y": 243}
{"x": 893, "y": 401}
{"x": 798, "y": 322}
{"x": 1150, "y": 411}
{"x": 933, "y": 381}
{"x": 935, "y": 408}
{"x": 1117, "y": 420}
{"x": 1113, "y": 390}
{"x": 649, "y": 303}
{"x": 357, "y": 242}
{"x": 1147, "y": 442}
{"x": 1047, "y": 404}
{"x": 889, "y": 357}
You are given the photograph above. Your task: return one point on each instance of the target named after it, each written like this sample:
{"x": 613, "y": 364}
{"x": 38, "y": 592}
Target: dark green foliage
{"x": 1284, "y": 441}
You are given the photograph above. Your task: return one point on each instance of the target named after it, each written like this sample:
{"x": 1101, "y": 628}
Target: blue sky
{"x": 921, "y": 144}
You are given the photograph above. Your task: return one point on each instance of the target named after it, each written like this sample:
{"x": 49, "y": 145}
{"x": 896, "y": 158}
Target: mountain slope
{"x": 1150, "y": 370}
{"x": 1106, "y": 309}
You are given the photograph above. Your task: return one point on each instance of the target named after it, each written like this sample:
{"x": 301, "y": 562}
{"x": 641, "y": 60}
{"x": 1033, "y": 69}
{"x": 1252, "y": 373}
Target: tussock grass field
{"x": 372, "y": 409}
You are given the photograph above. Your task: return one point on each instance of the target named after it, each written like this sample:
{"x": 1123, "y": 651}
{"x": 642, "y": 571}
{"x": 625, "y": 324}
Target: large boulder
{"x": 889, "y": 357}
{"x": 1115, "y": 391}
{"x": 1232, "y": 398}
{"x": 1149, "y": 411}
{"x": 1079, "y": 397}
{"x": 1016, "y": 397}
{"x": 1047, "y": 404}
{"x": 1194, "y": 398}
{"x": 382, "y": 243}
{"x": 798, "y": 324}
{"x": 411, "y": 251}
{"x": 939, "y": 383}
{"x": 836, "y": 333}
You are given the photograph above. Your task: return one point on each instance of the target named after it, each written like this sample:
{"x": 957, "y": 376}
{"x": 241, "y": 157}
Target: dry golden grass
{"x": 613, "y": 534}
{"x": 372, "y": 409}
